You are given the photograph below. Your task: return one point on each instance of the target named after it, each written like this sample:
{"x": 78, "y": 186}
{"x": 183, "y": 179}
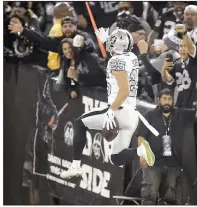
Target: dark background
{"x": 19, "y": 119}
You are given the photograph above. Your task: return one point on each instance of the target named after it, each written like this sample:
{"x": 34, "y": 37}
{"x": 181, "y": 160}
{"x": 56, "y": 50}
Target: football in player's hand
{"x": 111, "y": 134}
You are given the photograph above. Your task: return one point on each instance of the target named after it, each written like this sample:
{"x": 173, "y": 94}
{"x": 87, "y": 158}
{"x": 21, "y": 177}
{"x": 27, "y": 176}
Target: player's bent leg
{"x": 79, "y": 139}
{"x": 90, "y": 120}
{"x": 95, "y": 119}
{"x": 128, "y": 121}
{"x": 121, "y": 154}
{"x": 124, "y": 157}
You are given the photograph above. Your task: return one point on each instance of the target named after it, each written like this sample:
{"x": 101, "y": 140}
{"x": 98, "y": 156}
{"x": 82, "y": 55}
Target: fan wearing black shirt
{"x": 183, "y": 72}
{"x": 159, "y": 181}
{"x": 69, "y": 30}
{"x": 167, "y": 21}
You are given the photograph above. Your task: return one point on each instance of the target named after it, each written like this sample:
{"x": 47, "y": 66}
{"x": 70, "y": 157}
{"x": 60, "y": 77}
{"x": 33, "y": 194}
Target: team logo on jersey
{"x": 68, "y": 133}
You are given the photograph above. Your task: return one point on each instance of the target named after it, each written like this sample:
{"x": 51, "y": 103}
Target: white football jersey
{"x": 128, "y": 62}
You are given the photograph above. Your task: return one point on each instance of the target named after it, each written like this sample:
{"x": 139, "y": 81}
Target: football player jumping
{"x": 122, "y": 84}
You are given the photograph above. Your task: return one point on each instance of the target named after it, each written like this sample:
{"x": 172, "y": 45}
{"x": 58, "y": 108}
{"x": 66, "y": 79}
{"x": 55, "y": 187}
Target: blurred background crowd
{"x": 48, "y": 26}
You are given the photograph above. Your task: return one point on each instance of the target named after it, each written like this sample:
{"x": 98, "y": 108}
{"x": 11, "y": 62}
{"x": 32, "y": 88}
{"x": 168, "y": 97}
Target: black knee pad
{"x": 124, "y": 157}
{"x": 79, "y": 130}
{"x": 79, "y": 125}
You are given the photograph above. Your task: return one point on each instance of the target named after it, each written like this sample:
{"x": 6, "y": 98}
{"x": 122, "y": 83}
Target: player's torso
{"x": 129, "y": 63}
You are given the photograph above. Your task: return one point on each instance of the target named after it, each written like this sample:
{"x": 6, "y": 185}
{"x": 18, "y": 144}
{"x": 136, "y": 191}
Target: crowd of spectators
{"x": 42, "y": 30}
{"x": 63, "y": 34}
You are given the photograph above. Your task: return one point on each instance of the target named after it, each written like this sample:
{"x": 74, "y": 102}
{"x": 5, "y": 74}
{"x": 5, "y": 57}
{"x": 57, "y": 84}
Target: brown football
{"x": 111, "y": 134}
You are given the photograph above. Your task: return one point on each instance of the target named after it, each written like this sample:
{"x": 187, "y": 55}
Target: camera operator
{"x": 125, "y": 18}
{"x": 159, "y": 181}
{"x": 69, "y": 30}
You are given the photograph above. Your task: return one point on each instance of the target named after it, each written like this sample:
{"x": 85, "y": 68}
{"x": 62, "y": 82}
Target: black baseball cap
{"x": 68, "y": 20}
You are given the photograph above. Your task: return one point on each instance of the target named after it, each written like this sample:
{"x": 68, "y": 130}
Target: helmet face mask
{"x": 110, "y": 43}
{"x": 120, "y": 41}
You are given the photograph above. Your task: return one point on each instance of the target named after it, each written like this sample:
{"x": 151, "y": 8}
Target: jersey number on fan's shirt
{"x": 183, "y": 80}
{"x": 168, "y": 25}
